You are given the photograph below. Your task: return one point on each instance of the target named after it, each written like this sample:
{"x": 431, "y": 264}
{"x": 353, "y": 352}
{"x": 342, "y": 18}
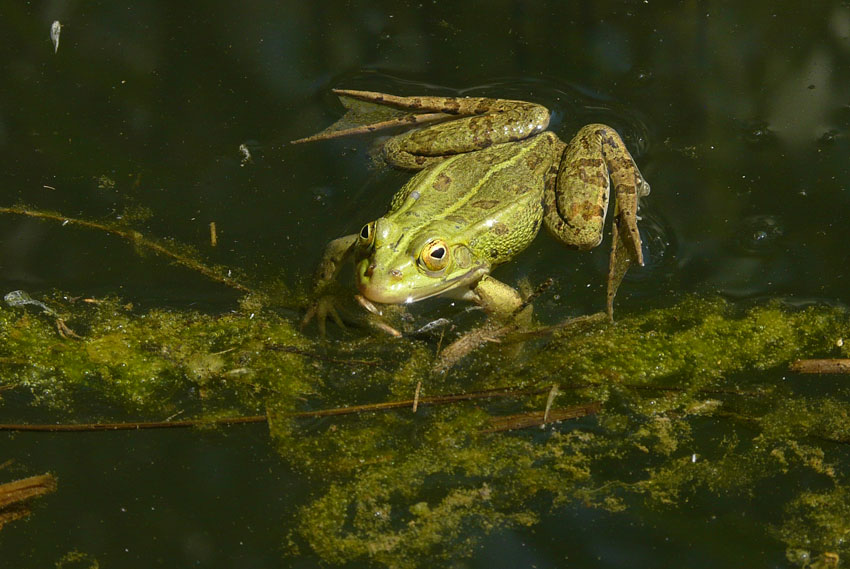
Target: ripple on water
{"x": 759, "y": 234}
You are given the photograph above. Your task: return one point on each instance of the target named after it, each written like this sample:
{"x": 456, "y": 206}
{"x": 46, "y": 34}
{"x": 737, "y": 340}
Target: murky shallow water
{"x": 737, "y": 117}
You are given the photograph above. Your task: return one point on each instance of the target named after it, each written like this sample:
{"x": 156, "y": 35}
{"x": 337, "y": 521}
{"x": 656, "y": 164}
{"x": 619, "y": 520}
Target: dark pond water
{"x": 737, "y": 114}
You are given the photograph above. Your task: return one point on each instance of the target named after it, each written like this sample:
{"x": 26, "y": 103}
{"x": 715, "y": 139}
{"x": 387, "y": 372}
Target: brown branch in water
{"x": 15, "y": 495}
{"x": 136, "y": 238}
{"x": 821, "y": 366}
{"x": 137, "y": 426}
{"x": 435, "y": 400}
{"x": 553, "y": 416}
{"x": 540, "y": 418}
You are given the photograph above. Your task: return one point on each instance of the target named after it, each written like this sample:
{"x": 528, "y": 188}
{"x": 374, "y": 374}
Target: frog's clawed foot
{"x": 320, "y": 309}
{"x": 327, "y": 305}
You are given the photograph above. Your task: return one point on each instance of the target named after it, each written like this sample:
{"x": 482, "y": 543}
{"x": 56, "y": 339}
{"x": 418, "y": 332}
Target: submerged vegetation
{"x": 687, "y": 396}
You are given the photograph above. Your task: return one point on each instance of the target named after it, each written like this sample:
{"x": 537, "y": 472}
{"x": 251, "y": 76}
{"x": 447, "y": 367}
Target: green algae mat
{"x": 406, "y": 465}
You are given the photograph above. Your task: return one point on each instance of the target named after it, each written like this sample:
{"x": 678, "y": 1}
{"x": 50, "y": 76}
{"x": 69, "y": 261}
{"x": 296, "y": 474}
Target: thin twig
{"x": 416, "y": 396}
{"x": 549, "y": 401}
{"x": 434, "y": 400}
{"x": 136, "y": 238}
{"x": 133, "y": 426}
{"x": 538, "y": 418}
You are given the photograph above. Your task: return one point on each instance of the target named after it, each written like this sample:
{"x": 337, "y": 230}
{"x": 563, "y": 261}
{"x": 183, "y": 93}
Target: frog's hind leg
{"x": 575, "y": 204}
{"x": 467, "y": 124}
{"x": 452, "y": 106}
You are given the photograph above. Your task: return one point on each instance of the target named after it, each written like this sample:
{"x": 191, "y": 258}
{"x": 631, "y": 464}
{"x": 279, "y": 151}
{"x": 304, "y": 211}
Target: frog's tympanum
{"x": 490, "y": 175}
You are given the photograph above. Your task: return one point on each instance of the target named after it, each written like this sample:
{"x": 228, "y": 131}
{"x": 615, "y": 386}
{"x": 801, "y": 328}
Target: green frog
{"x": 489, "y": 175}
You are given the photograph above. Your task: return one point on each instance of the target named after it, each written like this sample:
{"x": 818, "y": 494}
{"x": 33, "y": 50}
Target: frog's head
{"x": 393, "y": 266}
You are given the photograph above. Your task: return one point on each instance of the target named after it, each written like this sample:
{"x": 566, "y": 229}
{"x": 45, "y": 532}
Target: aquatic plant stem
{"x": 137, "y": 239}
{"x": 435, "y": 400}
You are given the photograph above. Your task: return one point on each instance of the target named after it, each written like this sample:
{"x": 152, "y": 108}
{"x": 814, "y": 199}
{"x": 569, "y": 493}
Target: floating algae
{"x": 156, "y": 362}
{"x": 405, "y": 489}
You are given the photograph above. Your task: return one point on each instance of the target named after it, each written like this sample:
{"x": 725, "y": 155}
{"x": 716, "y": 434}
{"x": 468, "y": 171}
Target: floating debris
{"x": 22, "y": 298}
{"x": 15, "y": 497}
{"x": 55, "y": 30}
{"x": 433, "y": 325}
{"x": 246, "y": 154}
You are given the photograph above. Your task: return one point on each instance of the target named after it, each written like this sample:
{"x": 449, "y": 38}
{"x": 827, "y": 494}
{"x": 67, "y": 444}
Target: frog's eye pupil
{"x": 438, "y": 253}
{"x": 364, "y": 233}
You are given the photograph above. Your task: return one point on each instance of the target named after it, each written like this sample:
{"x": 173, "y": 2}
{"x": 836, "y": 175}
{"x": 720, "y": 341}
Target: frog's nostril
{"x": 369, "y": 270}
{"x": 396, "y": 274}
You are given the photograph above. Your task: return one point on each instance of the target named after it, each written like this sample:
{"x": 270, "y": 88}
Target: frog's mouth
{"x": 381, "y": 291}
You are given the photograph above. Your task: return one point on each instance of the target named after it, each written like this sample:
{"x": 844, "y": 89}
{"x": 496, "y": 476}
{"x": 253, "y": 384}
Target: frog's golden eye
{"x": 367, "y": 234}
{"x": 435, "y": 255}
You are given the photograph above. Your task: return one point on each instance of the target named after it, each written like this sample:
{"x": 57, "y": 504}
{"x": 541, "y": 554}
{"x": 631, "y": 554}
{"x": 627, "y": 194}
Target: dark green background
{"x": 737, "y": 113}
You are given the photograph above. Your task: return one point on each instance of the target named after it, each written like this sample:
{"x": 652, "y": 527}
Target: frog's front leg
{"x": 576, "y": 202}
{"x": 336, "y": 253}
{"x": 500, "y": 300}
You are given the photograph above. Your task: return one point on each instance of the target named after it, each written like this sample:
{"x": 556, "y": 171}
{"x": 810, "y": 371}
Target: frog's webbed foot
{"x": 370, "y": 111}
{"x": 321, "y": 308}
{"x": 325, "y": 299}
{"x": 335, "y": 306}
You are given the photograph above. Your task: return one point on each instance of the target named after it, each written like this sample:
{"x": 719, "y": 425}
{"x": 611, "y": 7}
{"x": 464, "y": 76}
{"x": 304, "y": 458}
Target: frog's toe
{"x": 321, "y": 309}
{"x": 331, "y": 311}
{"x": 311, "y": 312}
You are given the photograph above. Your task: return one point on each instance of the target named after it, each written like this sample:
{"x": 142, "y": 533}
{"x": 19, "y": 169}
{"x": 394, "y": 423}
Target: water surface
{"x": 737, "y": 115}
